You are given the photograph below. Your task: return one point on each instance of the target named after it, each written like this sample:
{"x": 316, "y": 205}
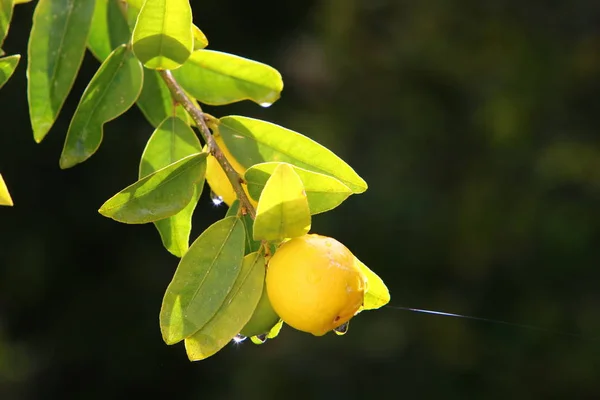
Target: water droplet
{"x": 342, "y": 329}
{"x": 239, "y": 338}
{"x": 216, "y": 199}
{"x": 265, "y": 104}
{"x": 262, "y": 338}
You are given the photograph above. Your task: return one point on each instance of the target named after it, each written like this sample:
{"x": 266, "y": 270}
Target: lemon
{"x": 313, "y": 284}
{"x": 217, "y": 178}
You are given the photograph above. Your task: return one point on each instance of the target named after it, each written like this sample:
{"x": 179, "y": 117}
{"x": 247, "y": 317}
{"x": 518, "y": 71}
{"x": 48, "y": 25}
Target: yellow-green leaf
{"x": 112, "y": 91}
{"x": 323, "y": 192}
{"x": 7, "y": 67}
{"x": 273, "y": 333}
{"x": 56, "y": 48}
{"x": 377, "y": 294}
{"x": 200, "y": 40}
{"x": 217, "y": 78}
{"x": 252, "y": 141}
{"x": 5, "y": 199}
{"x": 282, "y": 210}
{"x": 203, "y": 279}
{"x": 163, "y": 37}
{"x": 170, "y": 142}
{"x": 235, "y": 311}
{"x": 159, "y": 195}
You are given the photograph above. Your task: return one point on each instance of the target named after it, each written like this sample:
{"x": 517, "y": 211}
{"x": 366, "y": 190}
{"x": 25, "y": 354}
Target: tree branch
{"x": 199, "y": 118}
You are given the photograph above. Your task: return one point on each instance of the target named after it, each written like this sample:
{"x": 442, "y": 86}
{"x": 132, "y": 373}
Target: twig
{"x": 199, "y": 118}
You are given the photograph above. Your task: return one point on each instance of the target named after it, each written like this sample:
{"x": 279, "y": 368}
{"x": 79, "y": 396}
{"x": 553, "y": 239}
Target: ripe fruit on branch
{"x": 314, "y": 284}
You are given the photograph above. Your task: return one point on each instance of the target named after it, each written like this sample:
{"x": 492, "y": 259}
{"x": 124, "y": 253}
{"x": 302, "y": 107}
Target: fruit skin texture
{"x": 313, "y": 284}
{"x": 217, "y": 179}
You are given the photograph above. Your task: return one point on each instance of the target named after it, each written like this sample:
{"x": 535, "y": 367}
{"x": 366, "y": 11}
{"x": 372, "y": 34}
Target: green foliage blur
{"x": 475, "y": 125}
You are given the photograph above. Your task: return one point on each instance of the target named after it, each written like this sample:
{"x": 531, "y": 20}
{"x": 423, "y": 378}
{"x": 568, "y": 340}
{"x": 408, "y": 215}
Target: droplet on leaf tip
{"x": 239, "y": 338}
{"x": 265, "y": 104}
{"x": 262, "y": 337}
{"x": 216, "y": 199}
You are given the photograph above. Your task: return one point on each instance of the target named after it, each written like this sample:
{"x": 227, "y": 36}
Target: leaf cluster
{"x": 153, "y": 56}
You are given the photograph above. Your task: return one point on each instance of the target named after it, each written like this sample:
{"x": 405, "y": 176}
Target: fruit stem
{"x": 200, "y": 119}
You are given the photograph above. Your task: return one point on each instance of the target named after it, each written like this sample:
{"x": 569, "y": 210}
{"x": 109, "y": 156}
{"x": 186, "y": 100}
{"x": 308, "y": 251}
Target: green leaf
{"x": 6, "y": 10}
{"x": 109, "y": 29}
{"x": 22, "y": 1}
{"x": 159, "y": 195}
{"x": 323, "y": 192}
{"x": 155, "y": 100}
{"x": 282, "y": 210}
{"x": 203, "y": 279}
{"x": 217, "y": 78}
{"x": 56, "y": 48}
{"x": 170, "y": 142}
{"x": 112, "y": 91}
{"x": 5, "y": 199}
{"x": 377, "y": 294}
{"x": 235, "y": 311}
{"x": 163, "y": 37}
{"x": 264, "y": 318}
{"x": 252, "y": 141}
{"x": 7, "y": 67}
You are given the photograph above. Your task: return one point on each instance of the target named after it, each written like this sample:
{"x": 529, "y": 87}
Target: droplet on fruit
{"x": 342, "y": 329}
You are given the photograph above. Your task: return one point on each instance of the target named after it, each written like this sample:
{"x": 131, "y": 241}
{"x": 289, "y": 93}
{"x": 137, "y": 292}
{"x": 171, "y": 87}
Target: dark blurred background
{"x": 476, "y": 125}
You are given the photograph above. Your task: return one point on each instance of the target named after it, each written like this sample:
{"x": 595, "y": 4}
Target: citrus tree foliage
{"x": 274, "y": 179}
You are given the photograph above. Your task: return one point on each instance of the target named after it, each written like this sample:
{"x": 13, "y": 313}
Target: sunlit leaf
{"x": 133, "y": 9}
{"x": 217, "y": 78}
{"x": 159, "y": 195}
{"x": 113, "y": 89}
{"x": 200, "y": 40}
{"x": 170, "y": 142}
{"x": 282, "y": 209}
{"x": 252, "y": 141}
{"x": 56, "y": 47}
{"x": 234, "y": 312}
{"x": 5, "y": 199}
{"x": 323, "y": 192}
{"x": 7, "y": 67}
{"x": 377, "y": 294}
{"x": 203, "y": 279}
{"x": 109, "y": 29}
{"x": 163, "y": 37}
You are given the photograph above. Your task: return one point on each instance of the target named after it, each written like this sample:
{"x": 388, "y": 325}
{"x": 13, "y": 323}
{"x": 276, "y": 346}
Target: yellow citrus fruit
{"x": 217, "y": 179}
{"x": 313, "y": 284}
